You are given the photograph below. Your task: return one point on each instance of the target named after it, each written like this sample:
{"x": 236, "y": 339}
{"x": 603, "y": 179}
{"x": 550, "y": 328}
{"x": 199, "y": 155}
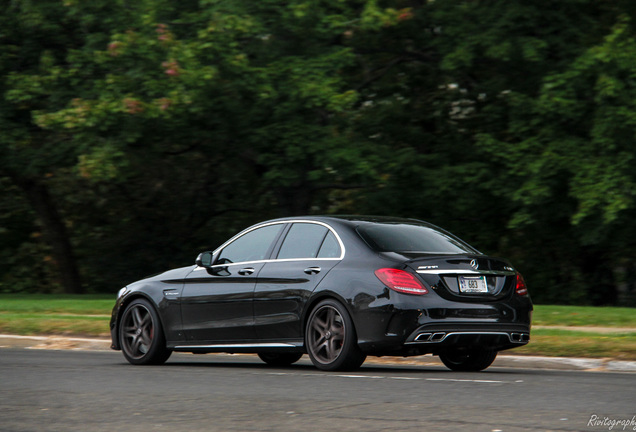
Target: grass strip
{"x": 566, "y": 343}
{"x": 51, "y": 324}
{"x": 89, "y": 315}
{"x": 584, "y": 316}
{"x": 98, "y": 304}
{"x": 56, "y": 314}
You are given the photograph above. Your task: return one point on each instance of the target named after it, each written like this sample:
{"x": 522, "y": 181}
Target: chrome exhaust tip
{"x": 430, "y": 337}
{"x": 438, "y": 337}
{"x": 519, "y": 337}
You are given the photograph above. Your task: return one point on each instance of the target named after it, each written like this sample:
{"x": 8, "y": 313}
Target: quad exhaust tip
{"x": 430, "y": 337}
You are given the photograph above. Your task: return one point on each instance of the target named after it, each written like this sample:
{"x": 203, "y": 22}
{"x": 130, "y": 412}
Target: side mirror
{"x": 205, "y": 259}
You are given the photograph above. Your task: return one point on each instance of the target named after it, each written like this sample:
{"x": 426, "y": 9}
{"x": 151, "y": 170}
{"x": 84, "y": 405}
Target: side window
{"x": 303, "y": 241}
{"x": 330, "y": 247}
{"x": 252, "y": 246}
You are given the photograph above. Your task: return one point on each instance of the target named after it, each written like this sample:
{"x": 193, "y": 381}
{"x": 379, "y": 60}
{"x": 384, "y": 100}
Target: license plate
{"x": 473, "y": 284}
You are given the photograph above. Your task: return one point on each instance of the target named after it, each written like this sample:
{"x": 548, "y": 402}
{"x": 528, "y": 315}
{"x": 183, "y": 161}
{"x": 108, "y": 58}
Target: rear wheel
{"x": 280, "y": 359}
{"x": 331, "y": 338}
{"x": 468, "y": 361}
{"x": 141, "y": 336}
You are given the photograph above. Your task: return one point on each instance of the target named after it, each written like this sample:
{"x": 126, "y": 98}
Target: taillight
{"x": 521, "y": 288}
{"x": 401, "y": 281}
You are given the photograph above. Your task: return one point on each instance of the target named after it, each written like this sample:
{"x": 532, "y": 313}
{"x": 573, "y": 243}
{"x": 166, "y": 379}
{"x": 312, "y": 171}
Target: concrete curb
{"x": 503, "y": 360}
{"x": 54, "y": 343}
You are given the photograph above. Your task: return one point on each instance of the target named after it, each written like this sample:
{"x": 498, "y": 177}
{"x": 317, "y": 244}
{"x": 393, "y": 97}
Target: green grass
{"x": 567, "y": 343}
{"x": 94, "y": 304}
{"x": 89, "y": 316}
{"x": 50, "y": 324}
{"x": 584, "y": 316}
{"x": 86, "y": 315}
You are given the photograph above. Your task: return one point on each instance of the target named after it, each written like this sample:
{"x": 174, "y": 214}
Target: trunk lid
{"x": 466, "y": 277}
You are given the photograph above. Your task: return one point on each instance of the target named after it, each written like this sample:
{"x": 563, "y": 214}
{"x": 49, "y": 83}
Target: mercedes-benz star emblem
{"x": 474, "y": 264}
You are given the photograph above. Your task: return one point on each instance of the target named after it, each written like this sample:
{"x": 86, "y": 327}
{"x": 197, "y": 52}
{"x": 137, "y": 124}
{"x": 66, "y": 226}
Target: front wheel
{"x": 331, "y": 338}
{"x": 468, "y": 361}
{"x": 141, "y": 336}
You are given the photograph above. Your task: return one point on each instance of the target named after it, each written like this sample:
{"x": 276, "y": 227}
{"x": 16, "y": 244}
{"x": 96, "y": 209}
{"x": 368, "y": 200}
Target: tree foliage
{"x": 135, "y": 134}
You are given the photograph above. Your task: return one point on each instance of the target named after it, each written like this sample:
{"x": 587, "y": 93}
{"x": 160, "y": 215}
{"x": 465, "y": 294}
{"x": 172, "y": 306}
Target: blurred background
{"x": 136, "y": 134}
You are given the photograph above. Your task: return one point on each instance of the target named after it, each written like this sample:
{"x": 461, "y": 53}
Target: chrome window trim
{"x": 244, "y": 232}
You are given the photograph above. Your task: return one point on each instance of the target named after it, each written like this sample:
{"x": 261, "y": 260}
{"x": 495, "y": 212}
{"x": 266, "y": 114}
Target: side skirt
{"x": 292, "y": 346}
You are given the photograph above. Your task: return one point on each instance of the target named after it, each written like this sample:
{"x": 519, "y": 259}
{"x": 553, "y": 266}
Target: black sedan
{"x": 338, "y": 288}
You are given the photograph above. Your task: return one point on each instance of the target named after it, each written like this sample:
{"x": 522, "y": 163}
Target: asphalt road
{"x": 42, "y": 390}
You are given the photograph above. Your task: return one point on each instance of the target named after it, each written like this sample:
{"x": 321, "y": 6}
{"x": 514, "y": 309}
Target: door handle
{"x": 246, "y": 271}
{"x": 312, "y": 270}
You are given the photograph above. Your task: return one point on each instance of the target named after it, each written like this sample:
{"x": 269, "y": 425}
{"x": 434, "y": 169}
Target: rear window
{"x": 405, "y": 237}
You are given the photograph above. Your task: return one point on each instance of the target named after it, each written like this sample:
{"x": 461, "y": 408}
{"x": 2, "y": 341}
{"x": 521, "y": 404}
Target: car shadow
{"x": 304, "y": 366}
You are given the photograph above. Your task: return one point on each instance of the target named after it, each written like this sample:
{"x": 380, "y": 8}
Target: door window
{"x": 303, "y": 241}
{"x": 330, "y": 247}
{"x": 253, "y": 246}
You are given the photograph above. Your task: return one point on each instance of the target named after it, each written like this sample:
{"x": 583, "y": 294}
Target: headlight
{"x": 122, "y": 292}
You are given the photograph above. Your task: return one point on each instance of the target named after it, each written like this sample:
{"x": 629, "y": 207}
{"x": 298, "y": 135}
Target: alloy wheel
{"x": 326, "y": 334}
{"x": 138, "y": 331}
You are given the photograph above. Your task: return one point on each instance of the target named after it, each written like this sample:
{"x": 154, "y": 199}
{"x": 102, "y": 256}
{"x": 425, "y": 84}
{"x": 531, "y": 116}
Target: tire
{"x": 280, "y": 359}
{"x": 141, "y": 335}
{"x": 330, "y": 338}
{"x": 468, "y": 361}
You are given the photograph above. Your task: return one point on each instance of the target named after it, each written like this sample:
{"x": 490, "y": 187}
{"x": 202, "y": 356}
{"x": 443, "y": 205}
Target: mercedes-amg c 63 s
{"x": 339, "y": 288}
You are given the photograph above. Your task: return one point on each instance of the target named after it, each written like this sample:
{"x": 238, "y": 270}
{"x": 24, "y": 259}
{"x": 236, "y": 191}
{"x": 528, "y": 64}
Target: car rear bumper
{"x": 496, "y": 337}
{"x": 437, "y": 338}
{"x": 417, "y": 326}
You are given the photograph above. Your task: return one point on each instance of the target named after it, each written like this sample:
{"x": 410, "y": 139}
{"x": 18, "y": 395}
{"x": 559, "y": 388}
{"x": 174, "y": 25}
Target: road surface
{"x": 46, "y": 390}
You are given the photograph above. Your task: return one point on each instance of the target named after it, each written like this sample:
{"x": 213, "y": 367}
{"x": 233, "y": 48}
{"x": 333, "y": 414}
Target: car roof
{"x": 352, "y": 219}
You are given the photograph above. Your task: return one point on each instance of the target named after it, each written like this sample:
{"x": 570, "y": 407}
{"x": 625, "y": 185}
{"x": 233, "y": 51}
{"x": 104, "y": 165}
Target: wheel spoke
{"x": 146, "y": 337}
{"x": 330, "y": 318}
{"x": 145, "y": 321}
{"x": 332, "y": 350}
{"x": 134, "y": 346}
{"x": 319, "y": 342}
{"x": 323, "y": 351}
{"x": 136, "y": 317}
{"x": 318, "y": 326}
{"x": 129, "y": 331}
{"x": 338, "y": 337}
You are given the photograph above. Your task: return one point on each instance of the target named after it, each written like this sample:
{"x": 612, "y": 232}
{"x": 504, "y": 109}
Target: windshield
{"x": 407, "y": 237}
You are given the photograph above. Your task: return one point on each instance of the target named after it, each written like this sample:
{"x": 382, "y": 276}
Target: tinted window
{"x": 252, "y": 246}
{"x": 412, "y": 238}
{"x": 330, "y": 247}
{"x": 303, "y": 241}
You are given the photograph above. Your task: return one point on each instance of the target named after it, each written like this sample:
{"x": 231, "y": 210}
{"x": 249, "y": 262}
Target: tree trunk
{"x": 54, "y": 233}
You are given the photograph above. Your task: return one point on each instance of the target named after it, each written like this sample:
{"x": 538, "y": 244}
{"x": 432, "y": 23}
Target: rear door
{"x": 309, "y": 251}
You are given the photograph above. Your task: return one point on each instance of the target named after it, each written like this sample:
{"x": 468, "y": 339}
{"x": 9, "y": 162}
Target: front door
{"x": 217, "y": 304}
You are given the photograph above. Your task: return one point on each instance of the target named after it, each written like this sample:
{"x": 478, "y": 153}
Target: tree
{"x": 252, "y": 94}
{"x": 458, "y": 90}
{"x": 39, "y": 41}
